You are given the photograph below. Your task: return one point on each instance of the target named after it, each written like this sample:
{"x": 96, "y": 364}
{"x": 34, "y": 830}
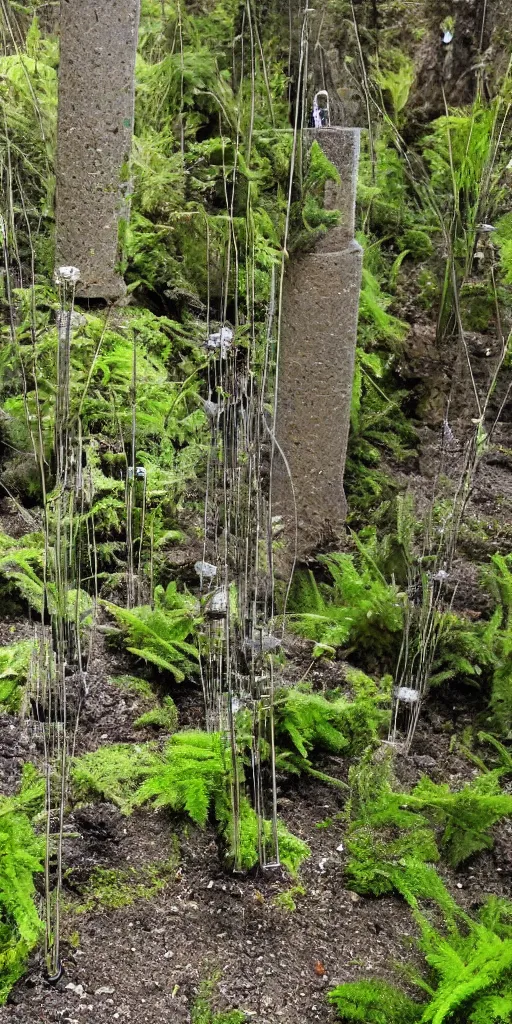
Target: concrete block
{"x": 319, "y": 313}
{"x": 98, "y": 42}
{"x": 341, "y": 146}
{"x": 316, "y": 369}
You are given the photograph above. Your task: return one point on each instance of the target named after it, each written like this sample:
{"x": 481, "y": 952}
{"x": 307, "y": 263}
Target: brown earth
{"x": 143, "y": 963}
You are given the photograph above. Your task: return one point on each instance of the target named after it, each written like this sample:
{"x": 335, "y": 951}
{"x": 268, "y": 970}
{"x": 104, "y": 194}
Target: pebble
{"x": 424, "y": 761}
{"x": 104, "y": 991}
{"x": 77, "y": 989}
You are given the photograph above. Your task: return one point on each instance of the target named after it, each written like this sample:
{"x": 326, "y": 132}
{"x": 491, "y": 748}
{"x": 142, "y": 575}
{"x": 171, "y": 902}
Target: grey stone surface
{"x": 341, "y": 146}
{"x": 98, "y": 40}
{"x": 316, "y": 366}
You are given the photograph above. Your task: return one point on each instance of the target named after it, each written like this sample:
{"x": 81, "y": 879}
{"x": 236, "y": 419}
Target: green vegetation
{"x": 163, "y": 717}
{"x": 112, "y": 888}
{"x": 394, "y": 838}
{"x": 202, "y": 1012}
{"x": 21, "y": 856}
{"x": 358, "y": 607}
{"x": 194, "y": 775}
{"x": 469, "y": 978}
{"x": 113, "y": 773}
{"x": 14, "y": 666}
{"x": 158, "y": 634}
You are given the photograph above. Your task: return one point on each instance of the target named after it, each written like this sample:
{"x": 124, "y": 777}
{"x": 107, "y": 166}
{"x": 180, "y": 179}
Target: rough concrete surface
{"x": 95, "y": 124}
{"x": 316, "y": 367}
{"x": 319, "y": 325}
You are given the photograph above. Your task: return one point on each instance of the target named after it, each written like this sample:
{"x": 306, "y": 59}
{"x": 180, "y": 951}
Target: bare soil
{"x": 144, "y": 962}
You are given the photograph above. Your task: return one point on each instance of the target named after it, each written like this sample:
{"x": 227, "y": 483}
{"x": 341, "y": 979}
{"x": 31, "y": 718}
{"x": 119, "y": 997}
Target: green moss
{"x": 478, "y": 305}
{"x": 113, "y": 888}
{"x": 132, "y": 684}
{"x": 14, "y": 666}
{"x": 287, "y": 900}
{"x": 202, "y": 1011}
{"x": 163, "y": 717}
{"x": 417, "y": 242}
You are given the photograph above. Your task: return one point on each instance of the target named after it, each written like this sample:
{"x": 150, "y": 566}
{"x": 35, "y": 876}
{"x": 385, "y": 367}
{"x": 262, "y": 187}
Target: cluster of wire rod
{"x": 236, "y": 574}
{"x": 56, "y": 684}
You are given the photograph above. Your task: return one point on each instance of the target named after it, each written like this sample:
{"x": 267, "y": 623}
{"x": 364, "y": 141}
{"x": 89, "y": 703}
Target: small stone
{"x": 339, "y": 849}
{"x": 205, "y": 570}
{"x": 67, "y": 275}
{"x": 104, "y": 991}
{"x": 168, "y": 955}
{"x": 77, "y": 989}
{"x": 407, "y": 694}
{"x": 217, "y": 605}
{"x": 424, "y": 761}
{"x": 220, "y": 341}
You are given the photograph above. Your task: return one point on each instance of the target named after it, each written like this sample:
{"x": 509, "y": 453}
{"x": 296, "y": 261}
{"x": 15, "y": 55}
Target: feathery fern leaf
{"x": 466, "y": 816}
{"x": 358, "y": 606}
{"x": 159, "y": 635}
{"x": 374, "y": 1002}
{"x": 21, "y": 856}
{"x": 14, "y": 666}
{"x": 113, "y": 773}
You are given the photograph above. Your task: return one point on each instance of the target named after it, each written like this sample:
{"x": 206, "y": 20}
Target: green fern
{"x": 194, "y": 769}
{"x": 374, "y": 1002}
{"x": 466, "y": 816}
{"x": 165, "y": 716}
{"x": 159, "y": 635}
{"x": 358, "y": 607}
{"x": 307, "y": 722}
{"x": 21, "y": 856}
{"x": 113, "y": 773}
{"x": 390, "y": 847}
{"x": 14, "y": 666}
{"x": 503, "y": 753}
{"x": 497, "y": 577}
{"x": 469, "y": 979}
{"x": 21, "y": 566}
{"x": 473, "y": 972}
{"x": 251, "y": 833}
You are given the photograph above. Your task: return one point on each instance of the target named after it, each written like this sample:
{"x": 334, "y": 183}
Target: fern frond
{"x": 21, "y": 856}
{"x": 160, "y": 635}
{"x": 113, "y": 773}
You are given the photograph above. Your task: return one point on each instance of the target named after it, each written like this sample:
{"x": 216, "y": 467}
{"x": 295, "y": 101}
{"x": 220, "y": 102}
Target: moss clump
{"x": 14, "y": 667}
{"x": 112, "y": 888}
{"x": 202, "y": 1012}
{"x": 132, "y": 684}
{"x": 286, "y": 900}
{"x": 163, "y": 717}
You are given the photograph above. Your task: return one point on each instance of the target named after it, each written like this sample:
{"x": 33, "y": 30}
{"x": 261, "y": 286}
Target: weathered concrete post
{"x": 316, "y": 365}
{"x": 98, "y": 42}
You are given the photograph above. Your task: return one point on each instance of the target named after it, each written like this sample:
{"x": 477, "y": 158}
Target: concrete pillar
{"x": 98, "y": 42}
{"x": 316, "y": 365}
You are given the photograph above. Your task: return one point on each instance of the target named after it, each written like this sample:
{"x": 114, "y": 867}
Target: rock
{"x": 424, "y": 761}
{"x": 77, "y": 989}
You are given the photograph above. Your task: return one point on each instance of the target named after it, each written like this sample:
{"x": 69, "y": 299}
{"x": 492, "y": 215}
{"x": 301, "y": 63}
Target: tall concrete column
{"x": 98, "y": 43}
{"x": 316, "y": 365}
